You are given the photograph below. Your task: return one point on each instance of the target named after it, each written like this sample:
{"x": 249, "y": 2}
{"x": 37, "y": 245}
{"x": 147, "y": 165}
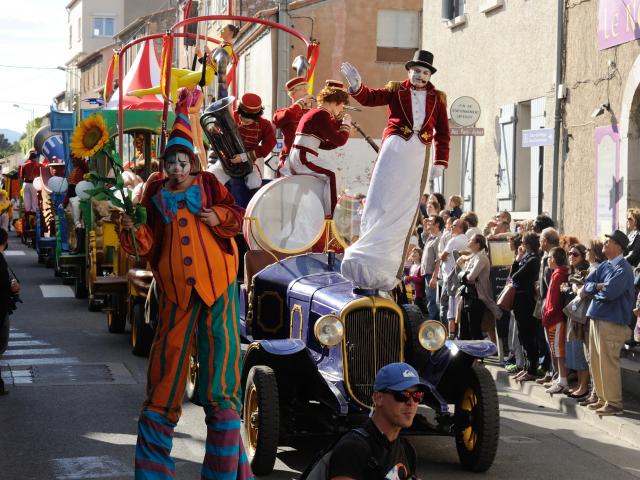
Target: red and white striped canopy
{"x": 144, "y": 73}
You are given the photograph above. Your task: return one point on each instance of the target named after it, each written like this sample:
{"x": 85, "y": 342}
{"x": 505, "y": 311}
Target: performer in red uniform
{"x": 258, "y": 136}
{"x": 29, "y": 171}
{"x": 287, "y": 119}
{"x": 318, "y": 130}
{"x": 417, "y": 116}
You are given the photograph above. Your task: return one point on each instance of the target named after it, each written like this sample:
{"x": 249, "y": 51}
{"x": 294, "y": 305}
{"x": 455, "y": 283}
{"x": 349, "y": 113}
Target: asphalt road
{"x": 72, "y": 412}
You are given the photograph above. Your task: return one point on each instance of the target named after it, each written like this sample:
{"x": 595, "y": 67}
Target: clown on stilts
{"x": 188, "y": 241}
{"x": 417, "y": 117}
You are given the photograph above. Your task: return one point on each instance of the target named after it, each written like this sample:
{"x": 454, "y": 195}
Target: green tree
{"x": 6, "y": 147}
{"x": 26, "y": 141}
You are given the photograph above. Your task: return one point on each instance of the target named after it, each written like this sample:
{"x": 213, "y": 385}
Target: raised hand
{"x": 352, "y": 76}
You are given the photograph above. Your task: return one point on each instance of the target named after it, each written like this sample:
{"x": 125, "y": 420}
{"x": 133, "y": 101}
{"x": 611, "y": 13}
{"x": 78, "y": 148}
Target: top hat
{"x": 180, "y": 138}
{"x": 620, "y": 238}
{"x": 422, "y": 58}
{"x": 294, "y": 82}
{"x": 250, "y": 103}
{"x": 397, "y": 377}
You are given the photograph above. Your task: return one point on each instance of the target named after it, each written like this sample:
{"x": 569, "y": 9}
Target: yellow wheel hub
{"x": 469, "y": 404}
{"x": 251, "y": 419}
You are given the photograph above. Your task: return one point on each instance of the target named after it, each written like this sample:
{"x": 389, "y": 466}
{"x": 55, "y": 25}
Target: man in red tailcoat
{"x": 287, "y": 119}
{"x": 417, "y": 117}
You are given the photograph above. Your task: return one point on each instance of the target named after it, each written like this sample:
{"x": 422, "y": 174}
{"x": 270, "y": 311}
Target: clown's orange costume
{"x": 188, "y": 240}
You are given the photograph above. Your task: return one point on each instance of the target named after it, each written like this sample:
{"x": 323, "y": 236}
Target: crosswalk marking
{"x": 14, "y": 253}
{"x": 21, "y": 362}
{"x": 26, "y": 343}
{"x": 57, "y": 291}
{"x": 33, "y": 351}
{"x": 14, "y": 334}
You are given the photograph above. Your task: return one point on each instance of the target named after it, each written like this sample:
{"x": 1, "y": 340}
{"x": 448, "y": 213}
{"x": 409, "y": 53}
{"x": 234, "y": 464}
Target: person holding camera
{"x": 9, "y": 290}
{"x": 476, "y": 292}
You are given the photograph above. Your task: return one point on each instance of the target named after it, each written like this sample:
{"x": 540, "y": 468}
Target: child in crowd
{"x": 455, "y": 206}
{"x": 553, "y": 318}
{"x": 416, "y": 279}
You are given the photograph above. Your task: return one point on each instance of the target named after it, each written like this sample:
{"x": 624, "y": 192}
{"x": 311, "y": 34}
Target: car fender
{"x": 294, "y": 364}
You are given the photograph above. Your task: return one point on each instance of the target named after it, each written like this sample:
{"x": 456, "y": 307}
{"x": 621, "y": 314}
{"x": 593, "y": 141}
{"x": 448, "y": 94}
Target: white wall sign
{"x": 465, "y": 111}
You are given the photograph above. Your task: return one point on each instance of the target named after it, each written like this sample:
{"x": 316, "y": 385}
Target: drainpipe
{"x": 557, "y": 117}
{"x": 283, "y": 54}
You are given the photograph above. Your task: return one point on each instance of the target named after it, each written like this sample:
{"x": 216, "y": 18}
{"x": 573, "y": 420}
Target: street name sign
{"x": 538, "y": 137}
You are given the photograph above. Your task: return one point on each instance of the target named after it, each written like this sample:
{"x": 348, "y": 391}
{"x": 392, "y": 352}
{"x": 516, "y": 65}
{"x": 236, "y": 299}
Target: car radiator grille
{"x": 373, "y": 338}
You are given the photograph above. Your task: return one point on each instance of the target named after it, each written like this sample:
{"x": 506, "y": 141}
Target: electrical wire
{"x": 29, "y": 67}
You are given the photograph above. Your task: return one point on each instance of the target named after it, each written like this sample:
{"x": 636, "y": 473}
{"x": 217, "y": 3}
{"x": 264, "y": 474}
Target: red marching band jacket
{"x": 319, "y": 130}
{"x": 287, "y": 119}
{"x": 259, "y": 137}
{"x": 398, "y": 98}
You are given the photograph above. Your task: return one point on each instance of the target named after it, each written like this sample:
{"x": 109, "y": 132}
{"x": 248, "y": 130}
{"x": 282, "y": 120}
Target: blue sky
{"x": 32, "y": 33}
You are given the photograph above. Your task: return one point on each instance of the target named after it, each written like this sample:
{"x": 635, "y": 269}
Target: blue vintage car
{"x": 315, "y": 345}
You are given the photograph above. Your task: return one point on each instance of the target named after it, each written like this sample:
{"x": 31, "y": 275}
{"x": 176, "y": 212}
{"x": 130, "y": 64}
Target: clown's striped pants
{"x": 216, "y": 331}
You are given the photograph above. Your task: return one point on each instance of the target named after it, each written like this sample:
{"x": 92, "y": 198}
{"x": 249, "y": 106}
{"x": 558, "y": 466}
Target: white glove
{"x": 346, "y": 120}
{"x": 352, "y": 75}
{"x": 436, "y": 171}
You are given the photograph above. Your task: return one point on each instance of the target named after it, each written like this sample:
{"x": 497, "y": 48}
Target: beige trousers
{"x": 605, "y": 342}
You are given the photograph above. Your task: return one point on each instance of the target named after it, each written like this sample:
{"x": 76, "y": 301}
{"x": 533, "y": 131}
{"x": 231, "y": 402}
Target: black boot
{"x": 80, "y": 231}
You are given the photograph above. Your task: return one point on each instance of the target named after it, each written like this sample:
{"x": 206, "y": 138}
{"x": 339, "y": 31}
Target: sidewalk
{"x": 626, "y": 427}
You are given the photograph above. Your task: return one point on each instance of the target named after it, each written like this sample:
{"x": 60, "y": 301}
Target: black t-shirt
{"x": 353, "y": 456}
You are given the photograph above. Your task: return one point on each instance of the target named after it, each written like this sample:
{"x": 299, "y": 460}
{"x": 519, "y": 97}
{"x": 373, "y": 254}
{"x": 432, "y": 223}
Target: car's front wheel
{"x": 477, "y": 421}
{"x": 261, "y": 417}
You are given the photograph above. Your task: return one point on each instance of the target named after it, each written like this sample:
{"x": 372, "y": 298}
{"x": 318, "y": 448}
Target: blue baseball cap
{"x": 397, "y": 377}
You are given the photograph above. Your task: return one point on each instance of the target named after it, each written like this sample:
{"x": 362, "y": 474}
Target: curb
{"x": 621, "y": 428}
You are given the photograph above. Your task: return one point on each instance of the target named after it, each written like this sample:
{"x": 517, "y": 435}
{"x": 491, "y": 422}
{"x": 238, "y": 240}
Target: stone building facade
{"x": 601, "y": 115}
{"x": 503, "y": 55}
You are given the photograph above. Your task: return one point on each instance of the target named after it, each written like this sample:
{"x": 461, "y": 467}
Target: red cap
{"x": 250, "y": 103}
{"x": 294, "y": 82}
{"x": 334, "y": 84}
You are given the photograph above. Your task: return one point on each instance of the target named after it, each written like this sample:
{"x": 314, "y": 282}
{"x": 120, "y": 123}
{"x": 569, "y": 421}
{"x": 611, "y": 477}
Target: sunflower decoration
{"x": 89, "y": 137}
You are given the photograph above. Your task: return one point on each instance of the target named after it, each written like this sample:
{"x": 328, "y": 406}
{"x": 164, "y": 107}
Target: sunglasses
{"x": 405, "y": 396}
{"x": 575, "y": 254}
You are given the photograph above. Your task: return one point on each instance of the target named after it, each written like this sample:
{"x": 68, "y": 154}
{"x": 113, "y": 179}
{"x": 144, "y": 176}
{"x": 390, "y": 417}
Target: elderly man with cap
{"x": 417, "y": 117}
{"x": 398, "y": 391}
{"x": 323, "y": 128}
{"x": 612, "y": 288}
{"x": 258, "y": 137}
{"x": 287, "y": 119}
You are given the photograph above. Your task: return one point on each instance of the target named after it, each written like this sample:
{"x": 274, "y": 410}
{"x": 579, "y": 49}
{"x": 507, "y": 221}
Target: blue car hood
{"x": 327, "y": 292}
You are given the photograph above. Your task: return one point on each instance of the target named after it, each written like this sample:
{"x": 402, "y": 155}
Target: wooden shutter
{"x": 506, "y": 170}
{"x": 468, "y": 171}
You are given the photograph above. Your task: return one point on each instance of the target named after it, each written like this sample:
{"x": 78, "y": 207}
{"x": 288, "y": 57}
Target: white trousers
{"x": 30, "y": 196}
{"x": 253, "y": 180}
{"x": 400, "y": 173}
{"x": 302, "y": 161}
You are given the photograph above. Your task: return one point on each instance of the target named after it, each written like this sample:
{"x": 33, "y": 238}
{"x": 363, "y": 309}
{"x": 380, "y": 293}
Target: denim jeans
{"x": 432, "y": 303}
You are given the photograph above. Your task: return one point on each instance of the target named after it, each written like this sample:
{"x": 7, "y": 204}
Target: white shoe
{"x": 556, "y": 388}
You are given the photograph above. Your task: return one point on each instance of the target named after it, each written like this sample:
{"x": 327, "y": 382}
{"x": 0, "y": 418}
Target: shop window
{"x": 103, "y": 27}
{"x": 398, "y": 35}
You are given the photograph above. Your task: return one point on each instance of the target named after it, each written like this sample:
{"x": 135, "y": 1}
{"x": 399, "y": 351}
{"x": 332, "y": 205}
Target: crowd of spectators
{"x": 575, "y": 303}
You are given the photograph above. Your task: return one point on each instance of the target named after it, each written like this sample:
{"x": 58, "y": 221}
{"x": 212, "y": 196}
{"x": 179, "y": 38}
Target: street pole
{"x": 558, "y": 114}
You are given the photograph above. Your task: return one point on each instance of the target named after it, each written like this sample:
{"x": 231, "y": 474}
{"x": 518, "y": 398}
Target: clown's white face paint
{"x": 178, "y": 166}
{"x": 419, "y": 76}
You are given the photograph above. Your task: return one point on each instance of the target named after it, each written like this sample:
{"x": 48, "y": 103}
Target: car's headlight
{"x": 432, "y": 335}
{"x": 329, "y": 330}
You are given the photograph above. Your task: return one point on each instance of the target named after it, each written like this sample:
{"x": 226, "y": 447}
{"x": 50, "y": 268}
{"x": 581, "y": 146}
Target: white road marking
{"x": 19, "y": 335}
{"x": 518, "y": 439}
{"x": 26, "y": 343}
{"x": 14, "y": 253}
{"x": 57, "y": 291}
{"x": 20, "y": 362}
{"x": 81, "y": 468}
{"x": 33, "y": 351}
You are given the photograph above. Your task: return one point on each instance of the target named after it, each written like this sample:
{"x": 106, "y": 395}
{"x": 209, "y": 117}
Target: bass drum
{"x": 286, "y": 215}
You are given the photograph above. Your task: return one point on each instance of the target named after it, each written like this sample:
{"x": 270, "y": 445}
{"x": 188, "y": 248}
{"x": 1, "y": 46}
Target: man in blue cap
{"x": 612, "y": 288}
{"x": 376, "y": 451}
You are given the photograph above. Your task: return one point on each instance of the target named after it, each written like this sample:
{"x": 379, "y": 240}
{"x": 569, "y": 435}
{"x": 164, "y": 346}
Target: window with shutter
{"x": 452, "y": 9}
{"x": 398, "y": 35}
{"x": 506, "y": 170}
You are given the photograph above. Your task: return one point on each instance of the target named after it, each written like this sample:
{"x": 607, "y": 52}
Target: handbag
{"x": 506, "y": 297}
{"x": 576, "y": 309}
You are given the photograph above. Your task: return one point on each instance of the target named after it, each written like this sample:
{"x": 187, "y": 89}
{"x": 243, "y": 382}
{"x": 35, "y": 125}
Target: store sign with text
{"x": 618, "y": 22}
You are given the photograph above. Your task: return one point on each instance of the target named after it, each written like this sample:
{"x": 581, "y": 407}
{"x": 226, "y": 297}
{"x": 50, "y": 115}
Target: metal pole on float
{"x": 167, "y": 89}
{"x": 120, "y": 110}
{"x": 283, "y": 54}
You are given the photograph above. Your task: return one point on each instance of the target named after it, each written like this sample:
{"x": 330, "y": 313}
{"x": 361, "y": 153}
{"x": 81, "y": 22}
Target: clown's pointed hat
{"x": 180, "y": 138}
